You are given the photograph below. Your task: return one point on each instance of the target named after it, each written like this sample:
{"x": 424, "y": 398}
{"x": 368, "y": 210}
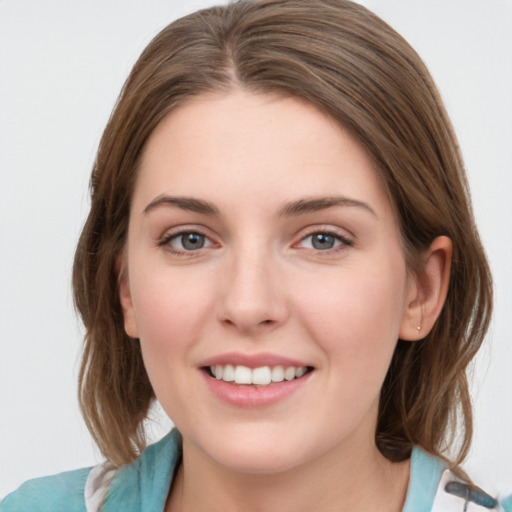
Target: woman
{"x": 281, "y": 250}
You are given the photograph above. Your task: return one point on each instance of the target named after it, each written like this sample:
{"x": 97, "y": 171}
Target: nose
{"x": 252, "y": 296}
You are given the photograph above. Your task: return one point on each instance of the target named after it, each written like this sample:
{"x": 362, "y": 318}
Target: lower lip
{"x": 253, "y": 396}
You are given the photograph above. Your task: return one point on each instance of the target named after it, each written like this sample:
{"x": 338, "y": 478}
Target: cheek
{"x": 356, "y": 319}
{"x": 170, "y": 311}
{"x": 172, "y": 314}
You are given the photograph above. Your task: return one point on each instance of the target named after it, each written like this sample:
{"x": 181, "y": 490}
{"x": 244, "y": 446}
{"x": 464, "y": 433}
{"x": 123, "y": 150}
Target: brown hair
{"x": 351, "y": 65}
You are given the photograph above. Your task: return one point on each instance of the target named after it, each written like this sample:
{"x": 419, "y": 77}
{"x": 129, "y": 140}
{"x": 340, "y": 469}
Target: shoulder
{"x": 141, "y": 485}
{"x": 58, "y": 493}
{"x": 434, "y": 488}
{"x": 146, "y": 481}
{"x": 507, "y": 504}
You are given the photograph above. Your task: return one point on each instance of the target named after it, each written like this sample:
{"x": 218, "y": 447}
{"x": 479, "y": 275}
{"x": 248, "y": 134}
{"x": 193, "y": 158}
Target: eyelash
{"x": 344, "y": 242}
{"x": 168, "y": 238}
{"x": 165, "y": 242}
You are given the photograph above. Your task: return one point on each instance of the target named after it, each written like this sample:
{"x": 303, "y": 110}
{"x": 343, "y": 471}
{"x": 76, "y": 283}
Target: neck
{"x": 359, "y": 479}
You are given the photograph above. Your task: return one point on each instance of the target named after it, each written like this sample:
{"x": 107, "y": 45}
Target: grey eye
{"x": 322, "y": 241}
{"x": 190, "y": 241}
{"x": 325, "y": 241}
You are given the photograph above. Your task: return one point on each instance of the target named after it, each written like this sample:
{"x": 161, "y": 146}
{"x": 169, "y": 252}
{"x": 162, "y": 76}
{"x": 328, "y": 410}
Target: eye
{"x": 186, "y": 241}
{"x": 324, "y": 241}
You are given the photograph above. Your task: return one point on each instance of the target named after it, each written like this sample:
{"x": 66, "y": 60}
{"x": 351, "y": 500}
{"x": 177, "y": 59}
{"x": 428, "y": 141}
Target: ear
{"x": 427, "y": 291}
{"x": 125, "y": 298}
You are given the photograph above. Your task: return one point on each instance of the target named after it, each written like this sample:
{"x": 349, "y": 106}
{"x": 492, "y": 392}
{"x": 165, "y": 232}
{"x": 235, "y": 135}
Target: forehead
{"x": 247, "y": 146}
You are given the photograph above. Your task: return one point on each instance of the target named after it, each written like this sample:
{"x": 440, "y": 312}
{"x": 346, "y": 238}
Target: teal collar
{"x": 425, "y": 474}
{"x": 144, "y": 484}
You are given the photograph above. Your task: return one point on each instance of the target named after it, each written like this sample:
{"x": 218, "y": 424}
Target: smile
{"x": 255, "y": 380}
{"x": 259, "y": 376}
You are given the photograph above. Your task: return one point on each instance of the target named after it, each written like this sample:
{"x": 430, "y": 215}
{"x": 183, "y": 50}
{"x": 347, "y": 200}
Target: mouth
{"x": 261, "y": 376}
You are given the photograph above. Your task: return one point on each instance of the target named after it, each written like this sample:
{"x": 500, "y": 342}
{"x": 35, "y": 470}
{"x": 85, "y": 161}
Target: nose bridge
{"x": 251, "y": 295}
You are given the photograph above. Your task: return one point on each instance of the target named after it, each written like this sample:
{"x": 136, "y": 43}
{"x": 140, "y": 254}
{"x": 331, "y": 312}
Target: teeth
{"x": 228, "y": 374}
{"x": 300, "y": 372}
{"x": 243, "y": 375}
{"x": 261, "y": 376}
{"x": 289, "y": 373}
{"x": 277, "y": 374}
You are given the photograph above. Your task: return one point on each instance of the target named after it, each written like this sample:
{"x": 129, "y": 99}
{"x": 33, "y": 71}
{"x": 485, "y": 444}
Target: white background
{"x": 62, "y": 64}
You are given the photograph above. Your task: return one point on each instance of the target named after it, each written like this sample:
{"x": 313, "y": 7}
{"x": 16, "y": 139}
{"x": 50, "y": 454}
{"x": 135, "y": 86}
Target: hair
{"x": 349, "y": 64}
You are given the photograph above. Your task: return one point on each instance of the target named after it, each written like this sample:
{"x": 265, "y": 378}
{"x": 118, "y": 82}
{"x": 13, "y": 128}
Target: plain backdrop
{"x": 62, "y": 64}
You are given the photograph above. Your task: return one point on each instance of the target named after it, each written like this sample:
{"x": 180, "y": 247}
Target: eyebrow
{"x": 185, "y": 203}
{"x": 314, "y": 204}
{"x": 289, "y": 209}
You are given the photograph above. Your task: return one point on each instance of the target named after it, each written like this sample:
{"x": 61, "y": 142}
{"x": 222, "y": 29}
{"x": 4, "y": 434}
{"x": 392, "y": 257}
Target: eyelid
{"x": 164, "y": 241}
{"x": 344, "y": 239}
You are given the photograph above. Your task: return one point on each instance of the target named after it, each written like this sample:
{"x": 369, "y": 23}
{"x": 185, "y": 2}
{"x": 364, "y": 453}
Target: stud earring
{"x": 421, "y": 318}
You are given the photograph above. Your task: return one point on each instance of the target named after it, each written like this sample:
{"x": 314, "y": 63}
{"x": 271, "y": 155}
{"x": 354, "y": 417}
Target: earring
{"x": 421, "y": 319}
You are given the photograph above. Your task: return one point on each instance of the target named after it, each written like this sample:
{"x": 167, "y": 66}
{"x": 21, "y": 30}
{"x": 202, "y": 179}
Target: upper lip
{"x": 251, "y": 360}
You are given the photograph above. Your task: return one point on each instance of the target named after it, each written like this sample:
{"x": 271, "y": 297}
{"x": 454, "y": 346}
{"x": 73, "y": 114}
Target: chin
{"x": 256, "y": 452}
{"x": 259, "y": 461}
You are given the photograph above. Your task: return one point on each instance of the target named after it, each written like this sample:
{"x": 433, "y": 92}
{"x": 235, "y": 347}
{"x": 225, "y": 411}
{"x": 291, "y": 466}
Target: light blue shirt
{"x": 144, "y": 485}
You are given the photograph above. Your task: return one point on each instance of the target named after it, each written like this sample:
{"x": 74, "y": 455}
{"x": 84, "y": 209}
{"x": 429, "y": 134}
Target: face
{"x": 265, "y": 279}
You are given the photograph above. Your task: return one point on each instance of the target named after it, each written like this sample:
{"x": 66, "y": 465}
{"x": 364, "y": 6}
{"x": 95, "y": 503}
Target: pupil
{"x": 323, "y": 241}
{"x": 192, "y": 241}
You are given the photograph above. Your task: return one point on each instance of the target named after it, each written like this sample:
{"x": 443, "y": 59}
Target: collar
{"x": 144, "y": 484}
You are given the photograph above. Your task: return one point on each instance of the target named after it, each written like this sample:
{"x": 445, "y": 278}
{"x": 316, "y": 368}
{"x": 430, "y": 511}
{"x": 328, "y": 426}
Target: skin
{"x": 259, "y": 285}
